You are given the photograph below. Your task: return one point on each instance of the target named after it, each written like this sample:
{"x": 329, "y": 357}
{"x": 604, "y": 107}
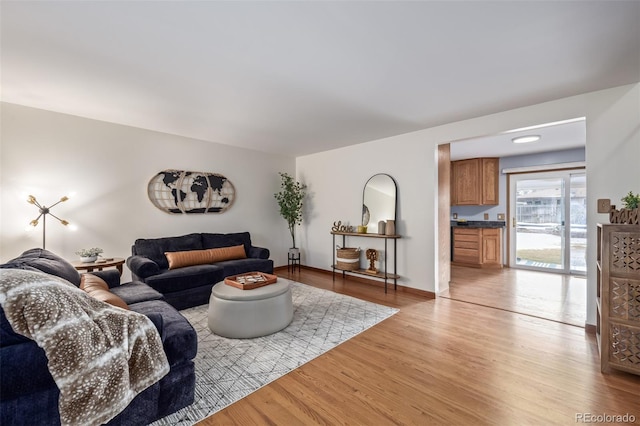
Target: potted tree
{"x": 290, "y": 200}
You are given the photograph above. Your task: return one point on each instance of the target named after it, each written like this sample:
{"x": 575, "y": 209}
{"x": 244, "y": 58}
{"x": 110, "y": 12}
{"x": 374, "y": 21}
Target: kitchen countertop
{"x": 478, "y": 224}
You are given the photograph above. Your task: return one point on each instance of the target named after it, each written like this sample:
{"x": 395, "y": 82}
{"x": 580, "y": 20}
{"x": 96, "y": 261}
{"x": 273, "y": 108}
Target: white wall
{"x": 336, "y": 181}
{"x": 108, "y": 166}
{"x": 336, "y": 177}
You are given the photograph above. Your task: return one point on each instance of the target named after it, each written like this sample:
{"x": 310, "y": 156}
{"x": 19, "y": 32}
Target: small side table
{"x": 293, "y": 259}
{"x": 116, "y": 262}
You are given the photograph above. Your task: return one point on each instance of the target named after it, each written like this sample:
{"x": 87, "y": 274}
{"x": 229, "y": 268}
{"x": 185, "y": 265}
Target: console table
{"x": 384, "y": 274}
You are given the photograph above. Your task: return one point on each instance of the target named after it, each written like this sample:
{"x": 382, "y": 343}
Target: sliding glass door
{"x": 578, "y": 222}
{"x": 548, "y": 221}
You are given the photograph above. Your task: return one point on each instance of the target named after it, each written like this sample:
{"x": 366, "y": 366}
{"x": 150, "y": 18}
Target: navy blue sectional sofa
{"x": 191, "y": 285}
{"x": 28, "y": 394}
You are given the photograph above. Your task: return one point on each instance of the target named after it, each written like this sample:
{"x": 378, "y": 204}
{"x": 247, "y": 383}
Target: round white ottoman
{"x": 242, "y": 314}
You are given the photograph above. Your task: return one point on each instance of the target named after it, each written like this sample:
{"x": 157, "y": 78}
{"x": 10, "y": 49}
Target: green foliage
{"x": 631, "y": 201}
{"x": 95, "y": 251}
{"x": 290, "y": 200}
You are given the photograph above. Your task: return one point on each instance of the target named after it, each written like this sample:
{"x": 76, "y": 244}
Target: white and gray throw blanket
{"x": 100, "y": 356}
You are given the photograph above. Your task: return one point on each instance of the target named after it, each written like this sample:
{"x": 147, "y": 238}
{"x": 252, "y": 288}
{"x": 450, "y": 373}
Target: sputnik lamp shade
{"x": 44, "y": 211}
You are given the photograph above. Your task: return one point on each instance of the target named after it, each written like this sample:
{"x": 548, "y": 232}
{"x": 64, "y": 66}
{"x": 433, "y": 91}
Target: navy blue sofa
{"x": 28, "y": 394}
{"x": 191, "y": 285}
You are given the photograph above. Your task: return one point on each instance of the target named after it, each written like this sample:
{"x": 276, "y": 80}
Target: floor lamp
{"x": 44, "y": 211}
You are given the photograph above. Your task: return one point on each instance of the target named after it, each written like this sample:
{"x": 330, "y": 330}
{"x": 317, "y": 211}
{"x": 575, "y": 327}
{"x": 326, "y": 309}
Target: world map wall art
{"x": 179, "y": 191}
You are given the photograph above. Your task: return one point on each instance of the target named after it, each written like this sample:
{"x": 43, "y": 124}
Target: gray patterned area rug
{"x": 230, "y": 369}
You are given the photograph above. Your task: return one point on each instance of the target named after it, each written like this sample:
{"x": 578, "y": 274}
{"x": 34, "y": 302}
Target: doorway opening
{"x": 551, "y": 285}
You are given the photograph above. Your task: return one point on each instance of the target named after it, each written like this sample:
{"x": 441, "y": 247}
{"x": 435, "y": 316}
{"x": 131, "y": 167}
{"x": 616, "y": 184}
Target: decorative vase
{"x": 88, "y": 259}
{"x": 381, "y": 227}
{"x": 390, "y": 228}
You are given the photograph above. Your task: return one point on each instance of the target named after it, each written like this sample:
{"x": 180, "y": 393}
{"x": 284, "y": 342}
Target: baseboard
{"x": 363, "y": 280}
{"x": 479, "y": 265}
{"x": 590, "y": 329}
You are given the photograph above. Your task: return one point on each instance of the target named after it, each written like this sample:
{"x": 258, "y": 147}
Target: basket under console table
{"x": 384, "y": 274}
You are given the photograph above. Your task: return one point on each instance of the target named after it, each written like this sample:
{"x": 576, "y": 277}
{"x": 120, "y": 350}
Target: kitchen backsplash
{"x": 477, "y": 212}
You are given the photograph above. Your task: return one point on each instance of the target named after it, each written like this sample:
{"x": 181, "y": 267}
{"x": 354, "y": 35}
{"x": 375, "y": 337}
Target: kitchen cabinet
{"x": 492, "y": 247}
{"x": 474, "y": 182}
{"x": 477, "y": 247}
{"x": 466, "y": 246}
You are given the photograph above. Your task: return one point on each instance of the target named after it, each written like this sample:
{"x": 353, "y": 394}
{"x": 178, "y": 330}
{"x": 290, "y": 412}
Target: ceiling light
{"x": 526, "y": 139}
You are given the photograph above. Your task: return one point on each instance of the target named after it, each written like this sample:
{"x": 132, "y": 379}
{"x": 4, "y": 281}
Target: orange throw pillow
{"x": 180, "y": 259}
{"x": 97, "y": 288}
{"x": 108, "y": 297}
{"x": 92, "y": 281}
{"x": 227, "y": 253}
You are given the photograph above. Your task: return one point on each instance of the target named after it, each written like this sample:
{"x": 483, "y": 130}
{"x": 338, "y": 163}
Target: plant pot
{"x": 88, "y": 259}
{"x": 294, "y": 252}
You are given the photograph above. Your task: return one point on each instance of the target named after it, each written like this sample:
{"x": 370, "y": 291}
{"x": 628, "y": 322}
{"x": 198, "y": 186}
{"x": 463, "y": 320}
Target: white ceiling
{"x": 302, "y": 77}
{"x": 553, "y": 137}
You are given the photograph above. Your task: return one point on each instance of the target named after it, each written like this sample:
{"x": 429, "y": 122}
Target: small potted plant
{"x": 290, "y": 200}
{"x": 89, "y": 255}
{"x": 629, "y": 213}
{"x": 632, "y": 204}
{"x": 631, "y": 201}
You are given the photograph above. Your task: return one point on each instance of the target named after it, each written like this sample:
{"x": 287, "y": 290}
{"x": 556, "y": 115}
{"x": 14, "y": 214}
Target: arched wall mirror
{"x": 378, "y": 200}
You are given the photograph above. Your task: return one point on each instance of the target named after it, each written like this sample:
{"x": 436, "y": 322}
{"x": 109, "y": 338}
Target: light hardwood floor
{"x": 442, "y": 362}
{"x": 556, "y": 297}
